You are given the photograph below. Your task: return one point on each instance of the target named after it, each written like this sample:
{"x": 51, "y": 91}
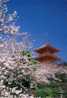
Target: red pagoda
{"x": 47, "y": 54}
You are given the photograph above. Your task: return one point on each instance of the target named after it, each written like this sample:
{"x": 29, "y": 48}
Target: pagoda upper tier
{"x": 47, "y": 48}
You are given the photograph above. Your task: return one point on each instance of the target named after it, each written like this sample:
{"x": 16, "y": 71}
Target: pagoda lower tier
{"x": 47, "y": 58}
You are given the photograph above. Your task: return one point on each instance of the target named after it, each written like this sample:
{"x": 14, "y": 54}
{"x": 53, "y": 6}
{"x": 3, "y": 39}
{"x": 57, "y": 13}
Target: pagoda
{"x": 47, "y": 54}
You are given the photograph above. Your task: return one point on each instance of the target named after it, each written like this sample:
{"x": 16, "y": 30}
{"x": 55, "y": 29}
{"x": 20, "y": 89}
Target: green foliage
{"x": 55, "y": 88}
{"x": 26, "y": 53}
{"x": 33, "y": 61}
{"x": 45, "y": 91}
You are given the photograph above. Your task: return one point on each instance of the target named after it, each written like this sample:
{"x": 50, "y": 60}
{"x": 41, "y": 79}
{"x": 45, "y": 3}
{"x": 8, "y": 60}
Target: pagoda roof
{"x": 47, "y": 48}
{"x": 48, "y": 57}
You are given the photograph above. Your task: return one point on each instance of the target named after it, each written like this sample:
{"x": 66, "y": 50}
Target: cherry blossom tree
{"x": 7, "y": 21}
{"x": 10, "y": 50}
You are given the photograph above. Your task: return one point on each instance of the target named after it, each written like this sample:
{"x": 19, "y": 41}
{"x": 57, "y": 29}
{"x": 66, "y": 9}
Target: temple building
{"x": 47, "y": 54}
{"x": 50, "y": 63}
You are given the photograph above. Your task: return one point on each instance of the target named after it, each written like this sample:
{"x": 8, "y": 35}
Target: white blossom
{"x": 7, "y": 19}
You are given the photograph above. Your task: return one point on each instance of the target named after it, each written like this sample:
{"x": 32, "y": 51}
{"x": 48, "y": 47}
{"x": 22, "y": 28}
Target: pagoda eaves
{"x": 47, "y": 48}
{"x": 47, "y": 58}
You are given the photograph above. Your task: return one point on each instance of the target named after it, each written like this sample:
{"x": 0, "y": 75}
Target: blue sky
{"x": 44, "y": 20}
